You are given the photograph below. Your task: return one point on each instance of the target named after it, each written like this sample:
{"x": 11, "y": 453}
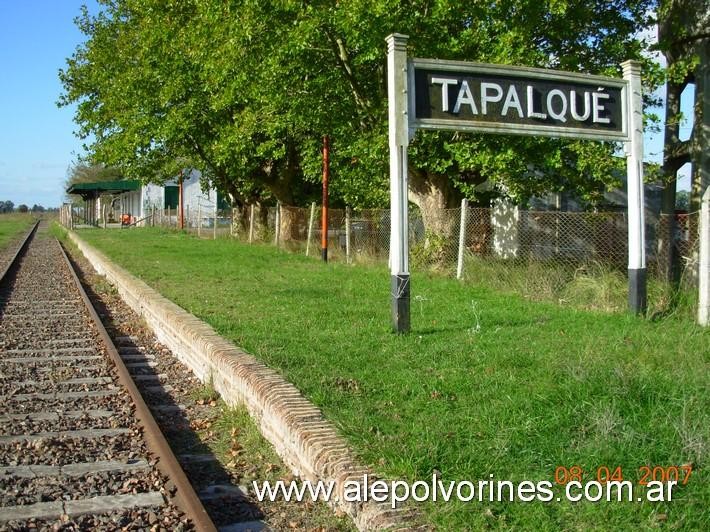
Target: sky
{"x": 37, "y": 144}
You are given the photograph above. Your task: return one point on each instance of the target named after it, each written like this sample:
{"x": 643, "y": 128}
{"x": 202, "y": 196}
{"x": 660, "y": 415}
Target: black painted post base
{"x": 324, "y": 254}
{"x": 400, "y": 303}
{"x": 637, "y": 290}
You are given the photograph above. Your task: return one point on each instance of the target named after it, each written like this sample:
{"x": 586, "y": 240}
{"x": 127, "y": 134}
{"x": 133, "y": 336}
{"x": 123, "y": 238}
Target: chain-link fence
{"x": 576, "y": 257}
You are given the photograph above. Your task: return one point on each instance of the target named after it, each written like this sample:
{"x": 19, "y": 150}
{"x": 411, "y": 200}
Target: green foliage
{"x": 682, "y": 200}
{"x": 245, "y": 91}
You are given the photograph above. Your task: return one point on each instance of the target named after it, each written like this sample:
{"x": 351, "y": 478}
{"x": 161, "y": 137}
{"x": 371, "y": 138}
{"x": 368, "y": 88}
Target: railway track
{"x": 78, "y": 447}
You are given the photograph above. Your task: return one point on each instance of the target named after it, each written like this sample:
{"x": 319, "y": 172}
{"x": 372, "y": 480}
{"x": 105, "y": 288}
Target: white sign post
{"x": 454, "y": 95}
{"x": 398, "y": 142}
{"x": 634, "y": 188}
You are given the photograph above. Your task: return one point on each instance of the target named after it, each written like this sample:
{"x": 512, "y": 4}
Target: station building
{"x": 131, "y": 202}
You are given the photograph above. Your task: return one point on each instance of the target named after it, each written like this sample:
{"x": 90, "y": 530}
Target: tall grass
{"x": 592, "y": 286}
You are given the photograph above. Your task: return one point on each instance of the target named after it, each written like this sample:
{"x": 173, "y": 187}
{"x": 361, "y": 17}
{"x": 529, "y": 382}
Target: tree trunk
{"x": 280, "y": 180}
{"x": 673, "y": 159}
{"x": 683, "y": 31}
{"x": 292, "y": 226}
{"x": 261, "y": 221}
{"x": 700, "y": 142}
{"x": 433, "y": 194}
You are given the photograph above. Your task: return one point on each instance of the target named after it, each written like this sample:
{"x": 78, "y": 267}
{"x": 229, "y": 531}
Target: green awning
{"x": 104, "y": 187}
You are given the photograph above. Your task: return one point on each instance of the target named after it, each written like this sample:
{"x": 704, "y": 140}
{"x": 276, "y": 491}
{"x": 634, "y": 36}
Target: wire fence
{"x": 576, "y": 257}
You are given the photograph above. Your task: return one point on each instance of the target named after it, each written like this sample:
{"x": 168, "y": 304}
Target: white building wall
{"x": 195, "y": 200}
{"x": 152, "y": 196}
{"x": 131, "y": 203}
{"x": 139, "y": 203}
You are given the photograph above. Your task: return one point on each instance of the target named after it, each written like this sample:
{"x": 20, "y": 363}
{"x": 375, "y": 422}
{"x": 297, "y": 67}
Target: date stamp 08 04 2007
{"x": 645, "y": 474}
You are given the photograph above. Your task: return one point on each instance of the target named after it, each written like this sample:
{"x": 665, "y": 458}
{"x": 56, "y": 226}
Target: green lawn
{"x": 12, "y": 226}
{"x": 486, "y": 383}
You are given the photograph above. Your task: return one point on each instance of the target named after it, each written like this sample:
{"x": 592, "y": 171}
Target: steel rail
{"x": 184, "y": 495}
{"x": 18, "y": 252}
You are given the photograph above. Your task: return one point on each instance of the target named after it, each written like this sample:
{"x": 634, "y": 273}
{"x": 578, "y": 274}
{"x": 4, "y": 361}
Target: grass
{"x": 593, "y": 286}
{"x": 206, "y": 393}
{"x": 485, "y": 384}
{"x": 12, "y": 226}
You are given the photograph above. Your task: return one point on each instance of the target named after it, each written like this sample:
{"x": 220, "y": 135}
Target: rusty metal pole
{"x": 324, "y": 222}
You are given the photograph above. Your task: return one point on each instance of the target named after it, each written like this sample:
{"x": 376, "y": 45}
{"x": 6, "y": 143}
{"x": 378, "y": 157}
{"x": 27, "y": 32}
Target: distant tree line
{"x": 9, "y": 206}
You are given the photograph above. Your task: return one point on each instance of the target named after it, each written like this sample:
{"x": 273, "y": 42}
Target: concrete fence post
{"x": 199, "y": 218}
{"x": 214, "y": 226}
{"x": 310, "y": 227}
{"x": 704, "y": 262}
{"x": 462, "y": 238}
{"x": 277, "y": 223}
{"x": 347, "y": 235}
{"x": 251, "y": 223}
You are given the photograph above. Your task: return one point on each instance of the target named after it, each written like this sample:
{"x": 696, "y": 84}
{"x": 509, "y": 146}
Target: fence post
{"x": 704, "y": 263}
{"x": 251, "y": 223}
{"x": 232, "y": 228}
{"x": 462, "y": 238}
{"x": 214, "y": 227}
{"x": 310, "y": 227}
{"x": 199, "y": 218}
{"x": 347, "y": 235}
{"x": 277, "y": 228}
{"x": 71, "y": 217}
{"x": 103, "y": 214}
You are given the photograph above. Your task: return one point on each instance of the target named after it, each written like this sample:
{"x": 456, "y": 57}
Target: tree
{"x": 22, "y": 208}
{"x": 245, "y": 90}
{"x": 37, "y": 208}
{"x": 682, "y": 200}
{"x": 684, "y": 40}
{"x": 6, "y": 206}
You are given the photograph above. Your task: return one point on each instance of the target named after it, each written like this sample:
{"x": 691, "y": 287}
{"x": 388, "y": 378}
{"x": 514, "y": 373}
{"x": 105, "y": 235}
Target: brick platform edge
{"x": 307, "y": 443}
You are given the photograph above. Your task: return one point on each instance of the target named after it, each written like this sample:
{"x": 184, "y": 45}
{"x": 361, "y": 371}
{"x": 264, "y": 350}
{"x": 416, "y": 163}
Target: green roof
{"x": 103, "y": 187}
